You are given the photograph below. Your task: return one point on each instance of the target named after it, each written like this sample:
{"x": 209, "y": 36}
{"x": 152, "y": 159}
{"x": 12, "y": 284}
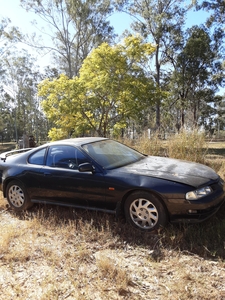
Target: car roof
{"x": 73, "y": 141}
{"x": 78, "y": 141}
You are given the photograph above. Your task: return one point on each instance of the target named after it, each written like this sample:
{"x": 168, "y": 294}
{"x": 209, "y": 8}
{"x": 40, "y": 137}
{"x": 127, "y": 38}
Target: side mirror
{"x": 86, "y": 167}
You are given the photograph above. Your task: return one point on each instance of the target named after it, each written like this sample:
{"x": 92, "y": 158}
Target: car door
{"x": 61, "y": 181}
{"x": 31, "y": 172}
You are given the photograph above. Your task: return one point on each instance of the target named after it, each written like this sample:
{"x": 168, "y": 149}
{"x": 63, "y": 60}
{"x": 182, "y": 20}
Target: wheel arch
{"x": 159, "y": 197}
{"x": 16, "y": 194}
{"x": 7, "y": 181}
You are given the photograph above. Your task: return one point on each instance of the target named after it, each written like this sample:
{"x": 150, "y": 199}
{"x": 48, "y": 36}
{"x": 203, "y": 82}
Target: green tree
{"x": 111, "y": 88}
{"x": 20, "y": 93}
{"x": 216, "y": 9}
{"x": 5, "y": 118}
{"x": 161, "y": 23}
{"x": 8, "y": 35}
{"x": 220, "y": 118}
{"x": 196, "y": 78}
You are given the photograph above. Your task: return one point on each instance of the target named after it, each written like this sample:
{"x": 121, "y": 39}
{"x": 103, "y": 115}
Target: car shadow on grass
{"x": 206, "y": 239}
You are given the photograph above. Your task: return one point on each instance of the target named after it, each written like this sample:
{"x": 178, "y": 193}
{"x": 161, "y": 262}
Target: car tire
{"x": 145, "y": 211}
{"x": 17, "y": 196}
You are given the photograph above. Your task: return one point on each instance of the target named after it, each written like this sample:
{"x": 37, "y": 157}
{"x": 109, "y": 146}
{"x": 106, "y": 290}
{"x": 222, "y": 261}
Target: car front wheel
{"x": 145, "y": 211}
{"x": 17, "y": 196}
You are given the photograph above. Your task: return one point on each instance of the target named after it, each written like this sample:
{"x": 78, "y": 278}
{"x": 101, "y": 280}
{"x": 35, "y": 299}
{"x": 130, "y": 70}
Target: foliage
{"x": 195, "y": 79}
{"x": 216, "y": 9}
{"x": 76, "y": 27}
{"x": 19, "y": 104}
{"x": 7, "y": 34}
{"x": 185, "y": 71}
{"x": 111, "y": 88}
{"x": 160, "y": 22}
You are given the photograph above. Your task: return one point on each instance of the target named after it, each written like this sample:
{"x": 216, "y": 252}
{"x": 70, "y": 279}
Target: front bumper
{"x": 198, "y": 210}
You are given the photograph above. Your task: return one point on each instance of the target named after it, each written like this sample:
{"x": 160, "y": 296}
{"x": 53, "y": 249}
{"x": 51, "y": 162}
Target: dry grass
{"x": 52, "y": 253}
{"x": 62, "y": 253}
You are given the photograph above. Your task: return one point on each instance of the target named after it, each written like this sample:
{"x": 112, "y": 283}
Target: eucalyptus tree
{"x": 19, "y": 91}
{"x": 71, "y": 29}
{"x": 8, "y": 36}
{"x": 159, "y": 21}
{"x": 216, "y": 23}
{"x": 220, "y": 118}
{"x": 3, "y": 44}
{"x": 216, "y": 10}
{"x": 196, "y": 78}
{"x": 3, "y": 38}
{"x": 6, "y": 124}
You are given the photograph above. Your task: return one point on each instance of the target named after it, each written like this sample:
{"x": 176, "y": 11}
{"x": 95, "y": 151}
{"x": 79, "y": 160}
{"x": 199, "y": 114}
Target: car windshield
{"x": 111, "y": 154}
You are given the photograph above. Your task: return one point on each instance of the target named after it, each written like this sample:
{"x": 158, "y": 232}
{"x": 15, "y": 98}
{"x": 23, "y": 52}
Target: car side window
{"x": 67, "y": 157}
{"x": 37, "y": 158}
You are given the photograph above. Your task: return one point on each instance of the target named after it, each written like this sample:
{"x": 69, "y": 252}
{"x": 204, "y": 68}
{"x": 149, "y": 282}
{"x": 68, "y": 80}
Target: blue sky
{"x": 19, "y": 17}
{"x": 22, "y": 19}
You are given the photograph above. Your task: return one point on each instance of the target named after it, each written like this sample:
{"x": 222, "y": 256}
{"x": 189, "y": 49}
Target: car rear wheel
{"x": 145, "y": 211}
{"x": 17, "y": 196}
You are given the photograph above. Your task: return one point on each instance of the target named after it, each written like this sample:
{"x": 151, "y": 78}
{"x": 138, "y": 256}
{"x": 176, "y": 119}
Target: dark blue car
{"x": 102, "y": 174}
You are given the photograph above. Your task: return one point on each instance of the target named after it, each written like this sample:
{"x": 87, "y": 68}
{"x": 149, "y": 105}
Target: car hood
{"x": 185, "y": 172}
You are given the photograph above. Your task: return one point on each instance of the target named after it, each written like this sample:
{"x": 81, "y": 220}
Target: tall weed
{"x": 185, "y": 145}
{"x": 188, "y": 146}
{"x": 152, "y": 146}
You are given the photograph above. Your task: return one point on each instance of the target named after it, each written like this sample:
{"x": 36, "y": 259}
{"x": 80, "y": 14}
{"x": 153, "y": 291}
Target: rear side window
{"x": 37, "y": 158}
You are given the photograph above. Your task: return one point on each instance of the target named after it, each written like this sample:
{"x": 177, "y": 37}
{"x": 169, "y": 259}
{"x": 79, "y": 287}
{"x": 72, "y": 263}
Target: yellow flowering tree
{"x": 111, "y": 88}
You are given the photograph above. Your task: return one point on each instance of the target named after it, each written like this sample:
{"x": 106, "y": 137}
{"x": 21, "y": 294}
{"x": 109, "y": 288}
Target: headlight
{"x": 221, "y": 182}
{"x": 197, "y": 194}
